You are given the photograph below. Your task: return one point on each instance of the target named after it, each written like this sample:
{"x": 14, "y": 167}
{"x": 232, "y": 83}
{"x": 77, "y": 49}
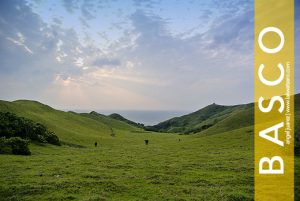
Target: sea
{"x": 146, "y": 117}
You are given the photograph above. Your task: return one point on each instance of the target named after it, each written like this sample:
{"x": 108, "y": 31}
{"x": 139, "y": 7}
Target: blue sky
{"x": 122, "y": 54}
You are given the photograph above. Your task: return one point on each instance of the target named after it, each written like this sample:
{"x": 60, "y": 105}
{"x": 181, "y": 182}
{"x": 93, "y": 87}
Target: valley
{"x": 214, "y": 164}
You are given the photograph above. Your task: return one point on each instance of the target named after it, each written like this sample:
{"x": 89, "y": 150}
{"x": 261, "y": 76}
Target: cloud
{"x": 146, "y": 63}
{"x": 148, "y": 24}
{"x": 232, "y": 32}
{"x": 196, "y": 60}
{"x": 100, "y": 62}
{"x": 79, "y": 62}
{"x": 87, "y": 9}
{"x": 70, "y": 5}
{"x": 42, "y": 46}
{"x": 146, "y": 3}
{"x": 20, "y": 41}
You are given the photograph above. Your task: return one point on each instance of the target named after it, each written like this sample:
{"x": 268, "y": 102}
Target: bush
{"x": 39, "y": 131}
{"x": 52, "y": 138}
{"x": 19, "y": 146}
{"x": 14, "y": 126}
{"x": 5, "y": 147}
{"x": 15, "y": 133}
{"x": 14, "y": 145}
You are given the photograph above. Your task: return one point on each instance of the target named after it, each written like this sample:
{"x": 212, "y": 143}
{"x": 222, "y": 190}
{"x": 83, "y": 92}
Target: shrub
{"x": 19, "y": 146}
{"x": 14, "y": 126}
{"x": 52, "y": 138}
{"x": 38, "y": 133}
{"x": 15, "y": 145}
{"x": 5, "y": 147}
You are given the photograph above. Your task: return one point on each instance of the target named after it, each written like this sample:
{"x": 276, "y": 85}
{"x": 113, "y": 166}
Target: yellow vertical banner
{"x": 274, "y": 100}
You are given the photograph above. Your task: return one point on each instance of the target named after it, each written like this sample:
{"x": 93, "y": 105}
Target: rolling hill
{"x": 72, "y": 128}
{"x": 121, "y": 118}
{"x": 211, "y": 119}
{"x": 122, "y": 167}
{"x": 215, "y": 119}
{"x": 214, "y": 165}
{"x": 218, "y": 117}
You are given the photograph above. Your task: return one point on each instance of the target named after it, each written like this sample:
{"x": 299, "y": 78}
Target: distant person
{"x": 146, "y": 142}
{"x": 179, "y": 140}
{"x": 96, "y": 144}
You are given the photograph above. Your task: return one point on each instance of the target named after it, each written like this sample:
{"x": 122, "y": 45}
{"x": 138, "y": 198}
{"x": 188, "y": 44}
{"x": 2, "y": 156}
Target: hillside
{"x": 122, "y": 167}
{"x": 218, "y": 117}
{"x": 72, "y": 128}
{"x": 121, "y": 118}
{"x": 211, "y": 119}
{"x": 215, "y": 119}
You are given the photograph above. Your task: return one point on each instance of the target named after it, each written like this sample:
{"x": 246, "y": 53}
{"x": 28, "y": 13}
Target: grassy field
{"x": 196, "y": 167}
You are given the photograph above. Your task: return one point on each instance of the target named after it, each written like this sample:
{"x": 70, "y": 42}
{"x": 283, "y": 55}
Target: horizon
{"x": 138, "y": 110}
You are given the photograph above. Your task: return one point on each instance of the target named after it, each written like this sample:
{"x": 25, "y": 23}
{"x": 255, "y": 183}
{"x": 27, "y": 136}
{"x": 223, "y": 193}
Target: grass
{"x": 198, "y": 167}
{"x": 123, "y": 168}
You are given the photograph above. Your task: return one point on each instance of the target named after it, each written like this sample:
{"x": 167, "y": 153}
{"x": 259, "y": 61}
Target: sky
{"x": 127, "y": 54}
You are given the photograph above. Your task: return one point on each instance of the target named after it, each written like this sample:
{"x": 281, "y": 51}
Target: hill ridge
{"x": 212, "y": 118}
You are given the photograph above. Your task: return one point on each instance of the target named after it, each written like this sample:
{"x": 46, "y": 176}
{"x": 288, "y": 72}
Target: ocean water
{"x": 144, "y": 116}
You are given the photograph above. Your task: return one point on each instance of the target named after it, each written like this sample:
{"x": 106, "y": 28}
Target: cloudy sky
{"x": 122, "y": 54}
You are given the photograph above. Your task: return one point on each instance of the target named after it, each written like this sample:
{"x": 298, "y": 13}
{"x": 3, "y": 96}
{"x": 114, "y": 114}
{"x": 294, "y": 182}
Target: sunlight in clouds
{"x": 157, "y": 54}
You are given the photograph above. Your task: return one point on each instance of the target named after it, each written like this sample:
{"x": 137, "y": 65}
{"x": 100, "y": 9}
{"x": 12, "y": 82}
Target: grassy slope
{"x": 70, "y": 127}
{"x": 121, "y": 118}
{"x": 222, "y": 119}
{"x": 240, "y": 118}
{"x": 199, "y": 167}
{"x": 210, "y": 115}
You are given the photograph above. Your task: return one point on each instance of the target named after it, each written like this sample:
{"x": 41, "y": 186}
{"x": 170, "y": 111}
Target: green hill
{"x": 207, "y": 118}
{"x": 71, "y": 128}
{"x": 121, "y": 118}
{"x": 214, "y": 165}
{"x": 122, "y": 167}
{"x": 215, "y": 119}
